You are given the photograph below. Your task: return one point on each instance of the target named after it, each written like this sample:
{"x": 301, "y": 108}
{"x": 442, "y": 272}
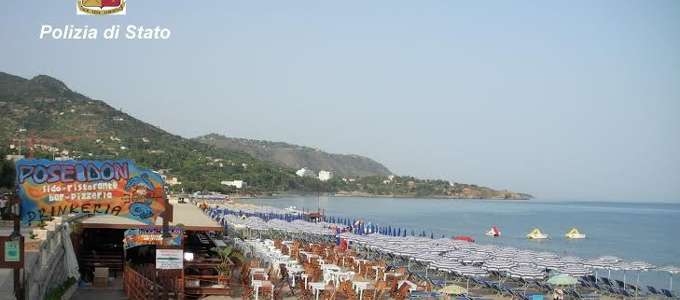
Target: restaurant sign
{"x": 114, "y": 187}
{"x": 152, "y": 235}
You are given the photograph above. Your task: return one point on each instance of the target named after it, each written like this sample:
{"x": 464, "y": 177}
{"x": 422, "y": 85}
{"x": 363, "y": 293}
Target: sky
{"x": 568, "y": 100}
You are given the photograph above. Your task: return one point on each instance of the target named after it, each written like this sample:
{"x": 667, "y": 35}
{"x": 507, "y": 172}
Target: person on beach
{"x": 3, "y": 204}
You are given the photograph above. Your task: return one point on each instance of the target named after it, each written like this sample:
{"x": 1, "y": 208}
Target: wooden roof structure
{"x": 187, "y": 214}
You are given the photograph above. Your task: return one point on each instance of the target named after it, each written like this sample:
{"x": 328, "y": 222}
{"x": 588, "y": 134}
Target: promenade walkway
{"x": 112, "y": 292}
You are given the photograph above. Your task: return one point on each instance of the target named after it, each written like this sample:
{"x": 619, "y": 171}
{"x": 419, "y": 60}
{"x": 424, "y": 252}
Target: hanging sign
{"x": 152, "y": 235}
{"x": 12, "y": 252}
{"x": 114, "y": 187}
{"x": 169, "y": 259}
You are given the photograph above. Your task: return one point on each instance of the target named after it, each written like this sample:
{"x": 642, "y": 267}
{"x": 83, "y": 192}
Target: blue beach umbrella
{"x": 404, "y": 232}
{"x": 399, "y": 232}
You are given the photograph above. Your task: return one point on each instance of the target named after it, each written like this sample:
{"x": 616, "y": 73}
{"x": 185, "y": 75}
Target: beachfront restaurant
{"x": 115, "y": 250}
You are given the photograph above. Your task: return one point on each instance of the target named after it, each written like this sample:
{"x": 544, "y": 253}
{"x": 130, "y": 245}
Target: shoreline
{"x": 366, "y": 195}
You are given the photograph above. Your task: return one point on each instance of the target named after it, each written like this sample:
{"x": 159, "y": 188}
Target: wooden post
{"x": 156, "y": 284}
{"x": 16, "y": 235}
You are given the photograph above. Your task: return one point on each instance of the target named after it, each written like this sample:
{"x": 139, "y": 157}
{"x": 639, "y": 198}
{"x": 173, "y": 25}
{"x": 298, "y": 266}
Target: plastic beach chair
{"x": 667, "y": 293}
{"x": 620, "y": 284}
{"x": 653, "y": 290}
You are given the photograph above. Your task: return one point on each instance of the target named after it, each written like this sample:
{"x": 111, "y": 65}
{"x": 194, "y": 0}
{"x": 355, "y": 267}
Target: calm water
{"x": 632, "y": 231}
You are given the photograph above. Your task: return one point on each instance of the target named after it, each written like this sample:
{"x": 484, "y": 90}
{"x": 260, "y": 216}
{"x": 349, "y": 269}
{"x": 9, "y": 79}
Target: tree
{"x": 7, "y": 174}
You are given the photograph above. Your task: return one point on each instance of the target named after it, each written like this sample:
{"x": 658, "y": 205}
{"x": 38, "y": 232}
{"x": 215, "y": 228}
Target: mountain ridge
{"x": 297, "y": 156}
{"x": 56, "y": 121}
{"x": 44, "y": 115}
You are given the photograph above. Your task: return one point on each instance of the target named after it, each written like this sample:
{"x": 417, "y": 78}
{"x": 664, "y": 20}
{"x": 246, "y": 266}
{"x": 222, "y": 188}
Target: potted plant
{"x": 227, "y": 257}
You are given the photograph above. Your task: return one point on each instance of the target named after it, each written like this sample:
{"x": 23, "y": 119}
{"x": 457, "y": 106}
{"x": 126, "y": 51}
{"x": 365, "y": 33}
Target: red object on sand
{"x": 464, "y": 238}
{"x": 343, "y": 245}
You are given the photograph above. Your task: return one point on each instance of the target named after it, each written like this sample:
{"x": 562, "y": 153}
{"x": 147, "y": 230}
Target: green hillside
{"x": 44, "y": 112}
{"x": 297, "y": 157}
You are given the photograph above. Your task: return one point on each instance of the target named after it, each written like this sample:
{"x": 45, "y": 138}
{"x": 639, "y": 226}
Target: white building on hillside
{"x": 304, "y": 172}
{"x": 239, "y": 184}
{"x": 325, "y": 175}
{"x": 14, "y": 157}
{"x": 172, "y": 181}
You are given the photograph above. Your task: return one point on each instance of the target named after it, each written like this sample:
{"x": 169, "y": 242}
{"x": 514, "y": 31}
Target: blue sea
{"x": 631, "y": 231}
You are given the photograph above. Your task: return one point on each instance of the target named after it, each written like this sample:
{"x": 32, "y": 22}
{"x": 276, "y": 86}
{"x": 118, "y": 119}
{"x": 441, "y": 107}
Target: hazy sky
{"x": 565, "y": 100}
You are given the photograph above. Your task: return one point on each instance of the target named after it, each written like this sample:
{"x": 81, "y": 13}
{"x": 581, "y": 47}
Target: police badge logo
{"x": 101, "y": 7}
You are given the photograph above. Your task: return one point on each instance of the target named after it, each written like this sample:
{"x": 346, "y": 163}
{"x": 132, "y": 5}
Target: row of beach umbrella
{"x": 448, "y": 255}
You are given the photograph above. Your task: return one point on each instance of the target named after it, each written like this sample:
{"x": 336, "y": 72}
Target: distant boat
{"x": 536, "y": 234}
{"x": 494, "y": 232}
{"x": 575, "y": 234}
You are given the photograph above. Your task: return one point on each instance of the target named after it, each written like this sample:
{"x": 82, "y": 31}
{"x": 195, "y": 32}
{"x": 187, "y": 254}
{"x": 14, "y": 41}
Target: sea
{"x": 632, "y": 231}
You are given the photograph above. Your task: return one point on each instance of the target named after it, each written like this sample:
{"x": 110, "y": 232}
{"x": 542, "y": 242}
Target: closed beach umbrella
{"x": 562, "y": 279}
{"x": 453, "y": 289}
